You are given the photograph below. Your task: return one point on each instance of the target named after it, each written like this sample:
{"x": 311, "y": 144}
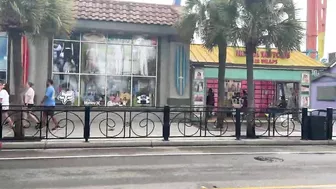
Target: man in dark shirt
{"x": 210, "y": 102}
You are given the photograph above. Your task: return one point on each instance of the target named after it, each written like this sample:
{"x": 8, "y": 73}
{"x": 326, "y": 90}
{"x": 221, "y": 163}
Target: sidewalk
{"x": 145, "y": 142}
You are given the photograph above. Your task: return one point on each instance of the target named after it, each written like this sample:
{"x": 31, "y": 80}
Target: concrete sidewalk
{"x": 145, "y": 142}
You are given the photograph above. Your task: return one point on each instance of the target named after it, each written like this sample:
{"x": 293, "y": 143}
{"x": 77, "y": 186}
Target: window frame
{"x": 106, "y": 74}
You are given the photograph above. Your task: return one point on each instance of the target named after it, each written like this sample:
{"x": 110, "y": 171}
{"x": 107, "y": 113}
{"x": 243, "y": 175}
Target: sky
{"x": 301, "y": 5}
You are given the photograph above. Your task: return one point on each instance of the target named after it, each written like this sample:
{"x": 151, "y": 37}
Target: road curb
{"x": 157, "y": 143}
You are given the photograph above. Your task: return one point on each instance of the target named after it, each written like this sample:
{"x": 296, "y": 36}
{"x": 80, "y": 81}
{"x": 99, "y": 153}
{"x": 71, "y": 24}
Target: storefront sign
{"x": 89, "y": 103}
{"x": 143, "y": 99}
{"x": 263, "y": 57}
{"x": 66, "y": 96}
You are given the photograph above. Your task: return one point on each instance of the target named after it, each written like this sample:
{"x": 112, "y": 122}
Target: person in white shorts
{"x": 4, "y": 100}
{"x": 29, "y": 102}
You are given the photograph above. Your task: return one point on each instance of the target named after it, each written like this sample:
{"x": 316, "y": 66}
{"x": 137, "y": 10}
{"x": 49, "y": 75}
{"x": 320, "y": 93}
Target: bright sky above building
{"x": 330, "y": 46}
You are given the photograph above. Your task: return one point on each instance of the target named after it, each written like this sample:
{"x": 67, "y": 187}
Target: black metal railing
{"x": 159, "y": 122}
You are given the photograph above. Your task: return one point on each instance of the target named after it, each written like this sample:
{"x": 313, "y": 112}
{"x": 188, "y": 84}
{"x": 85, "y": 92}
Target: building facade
{"x": 120, "y": 54}
{"x": 275, "y": 76}
{"x": 324, "y": 89}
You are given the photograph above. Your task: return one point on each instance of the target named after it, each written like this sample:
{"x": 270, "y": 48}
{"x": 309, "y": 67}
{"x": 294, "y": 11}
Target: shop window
{"x": 119, "y": 59}
{"x": 93, "y": 90}
{"x": 93, "y": 58}
{"x": 66, "y": 88}
{"x": 3, "y": 57}
{"x": 3, "y": 75}
{"x": 118, "y": 91}
{"x": 143, "y": 91}
{"x": 107, "y": 70}
{"x": 66, "y": 57}
{"x": 326, "y": 93}
{"x": 144, "y": 61}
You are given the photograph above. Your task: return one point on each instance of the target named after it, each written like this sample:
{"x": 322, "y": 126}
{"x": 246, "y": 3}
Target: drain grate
{"x": 268, "y": 159}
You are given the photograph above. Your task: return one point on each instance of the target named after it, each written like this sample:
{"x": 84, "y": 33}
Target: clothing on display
{"x": 94, "y": 58}
{"x": 112, "y": 69}
{"x": 66, "y": 57}
{"x": 119, "y": 59}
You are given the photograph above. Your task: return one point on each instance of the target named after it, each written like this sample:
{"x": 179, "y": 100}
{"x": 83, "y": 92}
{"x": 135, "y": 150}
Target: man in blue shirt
{"x": 49, "y": 103}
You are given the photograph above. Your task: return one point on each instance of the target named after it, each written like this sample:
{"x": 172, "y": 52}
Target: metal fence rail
{"x": 159, "y": 122}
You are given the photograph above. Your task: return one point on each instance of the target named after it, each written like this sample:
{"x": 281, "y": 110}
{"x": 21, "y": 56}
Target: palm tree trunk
{"x": 221, "y": 83}
{"x": 15, "y": 38}
{"x": 250, "y": 131}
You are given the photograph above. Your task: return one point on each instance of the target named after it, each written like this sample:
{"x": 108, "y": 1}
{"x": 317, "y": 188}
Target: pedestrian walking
{"x": 49, "y": 104}
{"x": 245, "y": 104}
{"x": 29, "y": 102}
{"x": 210, "y": 103}
{"x": 4, "y": 100}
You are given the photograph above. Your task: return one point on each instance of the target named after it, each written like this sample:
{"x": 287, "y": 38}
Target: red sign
{"x": 262, "y": 57}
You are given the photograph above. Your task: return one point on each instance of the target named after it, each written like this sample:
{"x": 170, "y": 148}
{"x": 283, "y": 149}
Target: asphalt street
{"x": 247, "y": 167}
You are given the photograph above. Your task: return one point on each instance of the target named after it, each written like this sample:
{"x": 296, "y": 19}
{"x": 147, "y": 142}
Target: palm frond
{"x": 37, "y": 17}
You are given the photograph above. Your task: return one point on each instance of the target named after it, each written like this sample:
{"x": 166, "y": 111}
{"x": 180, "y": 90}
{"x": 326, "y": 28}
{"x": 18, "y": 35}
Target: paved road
{"x": 163, "y": 168}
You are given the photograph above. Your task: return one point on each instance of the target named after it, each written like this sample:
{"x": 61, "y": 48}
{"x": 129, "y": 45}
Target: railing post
{"x": 329, "y": 123}
{"x": 304, "y": 125}
{"x": 238, "y": 124}
{"x": 1, "y": 124}
{"x": 87, "y": 124}
{"x": 166, "y": 123}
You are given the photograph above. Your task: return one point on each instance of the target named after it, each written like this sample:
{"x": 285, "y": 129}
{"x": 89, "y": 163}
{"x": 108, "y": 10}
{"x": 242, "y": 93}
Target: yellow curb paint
{"x": 288, "y": 187}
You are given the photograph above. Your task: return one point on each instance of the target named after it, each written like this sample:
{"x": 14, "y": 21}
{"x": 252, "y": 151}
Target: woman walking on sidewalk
{"x": 4, "y": 100}
{"x": 29, "y": 102}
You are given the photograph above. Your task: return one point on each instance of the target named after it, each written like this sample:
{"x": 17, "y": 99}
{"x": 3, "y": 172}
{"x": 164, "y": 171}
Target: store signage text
{"x": 262, "y": 57}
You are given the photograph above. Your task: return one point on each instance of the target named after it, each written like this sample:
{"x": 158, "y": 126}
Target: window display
{"x": 66, "y": 57}
{"x": 143, "y": 91}
{"x": 118, "y": 91}
{"x": 93, "y": 90}
{"x": 93, "y": 58}
{"x": 144, "y": 61}
{"x": 66, "y": 87}
{"x": 105, "y": 70}
{"x": 119, "y": 59}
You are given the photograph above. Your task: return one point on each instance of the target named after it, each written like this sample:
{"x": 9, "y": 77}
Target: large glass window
{"x": 143, "y": 91}
{"x": 3, "y": 56}
{"x": 93, "y": 90}
{"x": 119, "y": 91}
{"x": 105, "y": 70}
{"x": 144, "y": 61}
{"x": 119, "y": 59}
{"x": 67, "y": 89}
{"x": 66, "y": 57}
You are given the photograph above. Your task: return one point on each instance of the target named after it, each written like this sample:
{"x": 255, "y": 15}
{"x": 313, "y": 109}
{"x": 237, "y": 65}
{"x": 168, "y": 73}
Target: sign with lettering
{"x": 263, "y": 57}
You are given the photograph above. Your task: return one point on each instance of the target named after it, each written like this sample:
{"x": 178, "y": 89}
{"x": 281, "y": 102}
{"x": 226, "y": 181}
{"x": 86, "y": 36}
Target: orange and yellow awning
{"x": 236, "y": 56}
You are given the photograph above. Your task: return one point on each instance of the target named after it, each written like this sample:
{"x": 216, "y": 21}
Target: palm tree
{"x": 212, "y": 20}
{"x": 35, "y": 18}
{"x": 271, "y": 23}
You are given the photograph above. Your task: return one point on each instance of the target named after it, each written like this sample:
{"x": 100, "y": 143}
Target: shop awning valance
{"x": 236, "y": 56}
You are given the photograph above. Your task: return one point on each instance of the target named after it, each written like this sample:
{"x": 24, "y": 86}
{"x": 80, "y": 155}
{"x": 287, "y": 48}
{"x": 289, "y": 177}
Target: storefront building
{"x": 120, "y": 54}
{"x": 274, "y": 76}
{"x": 323, "y": 93}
